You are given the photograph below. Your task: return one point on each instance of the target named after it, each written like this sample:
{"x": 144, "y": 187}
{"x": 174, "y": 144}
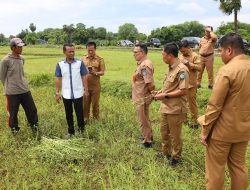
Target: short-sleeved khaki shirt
{"x": 142, "y": 76}
{"x": 194, "y": 67}
{"x": 176, "y": 78}
{"x": 207, "y": 46}
{"x": 98, "y": 65}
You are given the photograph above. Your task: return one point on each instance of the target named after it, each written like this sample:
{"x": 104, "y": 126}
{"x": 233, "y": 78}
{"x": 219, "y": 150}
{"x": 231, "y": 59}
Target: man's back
{"x": 232, "y": 95}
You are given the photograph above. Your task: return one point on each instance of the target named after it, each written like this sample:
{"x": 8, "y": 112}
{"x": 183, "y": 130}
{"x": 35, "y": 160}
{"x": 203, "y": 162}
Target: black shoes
{"x": 147, "y": 144}
{"x": 210, "y": 87}
{"x": 15, "y": 130}
{"x": 160, "y": 155}
{"x": 173, "y": 162}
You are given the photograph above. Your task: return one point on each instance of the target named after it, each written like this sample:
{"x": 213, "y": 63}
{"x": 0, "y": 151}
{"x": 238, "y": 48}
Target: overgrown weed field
{"x": 110, "y": 155}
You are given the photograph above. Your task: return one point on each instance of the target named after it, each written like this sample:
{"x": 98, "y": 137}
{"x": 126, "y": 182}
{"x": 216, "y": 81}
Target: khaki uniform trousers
{"x": 93, "y": 98}
{"x": 193, "y": 104}
{"x": 145, "y": 125}
{"x": 218, "y": 153}
{"x": 171, "y": 134}
{"x": 207, "y": 62}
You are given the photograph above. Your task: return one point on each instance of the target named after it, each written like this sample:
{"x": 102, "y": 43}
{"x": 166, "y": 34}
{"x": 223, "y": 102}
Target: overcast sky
{"x": 146, "y": 15}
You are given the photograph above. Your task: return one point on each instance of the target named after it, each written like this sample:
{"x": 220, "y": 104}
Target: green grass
{"x": 110, "y": 156}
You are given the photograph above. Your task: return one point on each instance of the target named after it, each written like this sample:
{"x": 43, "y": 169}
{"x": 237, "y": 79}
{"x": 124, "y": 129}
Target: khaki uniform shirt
{"x": 207, "y": 46}
{"x": 227, "y": 116}
{"x": 12, "y": 75}
{"x": 194, "y": 66}
{"x": 97, "y": 64}
{"x": 176, "y": 78}
{"x": 142, "y": 76}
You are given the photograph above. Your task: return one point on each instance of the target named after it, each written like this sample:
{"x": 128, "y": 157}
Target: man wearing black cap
{"x": 16, "y": 87}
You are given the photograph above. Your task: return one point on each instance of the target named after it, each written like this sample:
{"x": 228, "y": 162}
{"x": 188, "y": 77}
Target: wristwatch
{"x": 167, "y": 96}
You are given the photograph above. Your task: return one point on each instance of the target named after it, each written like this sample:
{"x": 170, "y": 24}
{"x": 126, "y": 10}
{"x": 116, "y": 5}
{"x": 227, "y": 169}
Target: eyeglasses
{"x": 135, "y": 52}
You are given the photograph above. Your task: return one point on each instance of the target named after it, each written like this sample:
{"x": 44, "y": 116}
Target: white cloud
{"x": 154, "y": 2}
{"x": 191, "y": 8}
{"x": 147, "y": 15}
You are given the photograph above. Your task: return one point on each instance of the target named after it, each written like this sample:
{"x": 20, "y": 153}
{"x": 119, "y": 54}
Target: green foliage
{"x": 101, "y": 33}
{"x": 30, "y": 38}
{"x": 32, "y": 27}
{"x": 244, "y": 29}
{"x": 69, "y": 30}
{"x": 117, "y": 88}
{"x": 3, "y": 40}
{"x": 127, "y": 31}
{"x": 176, "y": 32}
{"x": 229, "y": 7}
{"x": 41, "y": 80}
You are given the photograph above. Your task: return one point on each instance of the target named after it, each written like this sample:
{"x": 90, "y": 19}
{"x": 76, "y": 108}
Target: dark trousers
{"x": 69, "y": 114}
{"x": 27, "y": 102}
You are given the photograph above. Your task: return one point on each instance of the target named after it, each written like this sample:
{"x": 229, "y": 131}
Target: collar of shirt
{"x": 239, "y": 57}
{"x": 12, "y": 56}
{"x": 74, "y": 60}
{"x": 174, "y": 65}
{"x": 139, "y": 62}
{"x": 91, "y": 58}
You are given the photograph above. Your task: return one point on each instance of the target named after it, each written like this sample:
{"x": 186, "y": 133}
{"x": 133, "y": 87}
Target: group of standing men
{"x": 74, "y": 84}
{"x": 226, "y": 123}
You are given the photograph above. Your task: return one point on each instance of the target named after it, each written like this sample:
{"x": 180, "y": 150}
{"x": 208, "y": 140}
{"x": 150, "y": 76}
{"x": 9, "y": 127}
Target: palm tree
{"x": 231, "y": 6}
{"x": 32, "y": 27}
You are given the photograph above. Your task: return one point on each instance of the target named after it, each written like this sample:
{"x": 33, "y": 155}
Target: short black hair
{"x": 67, "y": 45}
{"x": 91, "y": 43}
{"x": 183, "y": 44}
{"x": 212, "y": 29}
{"x": 143, "y": 47}
{"x": 233, "y": 40}
{"x": 171, "y": 48}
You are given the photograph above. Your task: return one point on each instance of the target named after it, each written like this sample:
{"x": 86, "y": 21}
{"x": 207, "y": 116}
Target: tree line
{"x": 80, "y": 34}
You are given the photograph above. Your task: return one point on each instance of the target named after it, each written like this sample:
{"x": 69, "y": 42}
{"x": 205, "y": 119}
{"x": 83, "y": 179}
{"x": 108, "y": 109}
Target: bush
{"x": 40, "y": 80}
{"x": 117, "y": 88}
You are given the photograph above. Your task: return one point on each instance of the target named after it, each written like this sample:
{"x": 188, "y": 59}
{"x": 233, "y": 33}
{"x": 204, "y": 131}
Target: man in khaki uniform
{"x": 173, "y": 104}
{"x": 142, "y": 85}
{"x": 226, "y": 123}
{"x": 96, "y": 68}
{"x": 191, "y": 60}
{"x": 207, "y": 56}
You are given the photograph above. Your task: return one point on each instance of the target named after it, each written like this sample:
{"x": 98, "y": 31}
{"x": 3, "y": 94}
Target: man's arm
{"x": 150, "y": 86}
{"x": 213, "y": 36}
{"x": 102, "y": 68}
{"x": 181, "y": 91}
{"x": 3, "y": 71}
{"x": 215, "y": 105}
{"x": 58, "y": 87}
{"x": 195, "y": 65}
{"x": 174, "y": 94}
{"x": 85, "y": 85}
{"x": 84, "y": 72}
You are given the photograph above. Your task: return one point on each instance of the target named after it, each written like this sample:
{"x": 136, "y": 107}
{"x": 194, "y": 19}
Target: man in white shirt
{"x": 71, "y": 74}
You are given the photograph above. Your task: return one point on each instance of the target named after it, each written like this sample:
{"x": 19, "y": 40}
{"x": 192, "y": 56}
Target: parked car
{"x": 124, "y": 43}
{"x": 193, "y": 41}
{"x": 154, "y": 42}
{"x": 245, "y": 42}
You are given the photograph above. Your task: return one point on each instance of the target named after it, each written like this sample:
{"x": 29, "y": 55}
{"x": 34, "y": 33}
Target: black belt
{"x": 206, "y": 55}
